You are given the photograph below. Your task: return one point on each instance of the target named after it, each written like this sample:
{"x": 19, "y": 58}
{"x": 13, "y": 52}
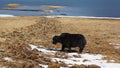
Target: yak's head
{"x": 56, "y": 39}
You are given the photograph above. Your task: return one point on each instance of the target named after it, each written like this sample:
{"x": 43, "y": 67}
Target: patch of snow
{"x": 86, "y": 59}
{"x": 111, "y": 65}
{"x": 6, "y": 15}
{"x": 33, "y": 46}
{"x": 45, "y": 50}
{"x": 44, "y": 66}
{"x": 8, "y": 59}
{"x": 91, "y": 56}
{"x": 112, "y": 61}
{"x": 117, "y": 44}
{"x": 41, "y": 49}
{"x": 71, "y": 54}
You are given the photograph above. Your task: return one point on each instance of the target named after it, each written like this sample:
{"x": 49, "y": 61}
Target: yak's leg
{"x": 69, "y": 48}
{"x": 63, "y": 48}
{"x": 81, "y": 48}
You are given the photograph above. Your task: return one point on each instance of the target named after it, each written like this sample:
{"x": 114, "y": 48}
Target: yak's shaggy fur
{"x": 70, "y": 40}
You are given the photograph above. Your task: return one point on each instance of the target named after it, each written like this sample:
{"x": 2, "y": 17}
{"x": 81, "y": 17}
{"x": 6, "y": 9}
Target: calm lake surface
{"x": 96, "y": 8}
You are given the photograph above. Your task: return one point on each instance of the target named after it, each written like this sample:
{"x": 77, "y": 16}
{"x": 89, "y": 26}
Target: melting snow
{"x": 86, "y": 59}
{"x": 41, "y": 49}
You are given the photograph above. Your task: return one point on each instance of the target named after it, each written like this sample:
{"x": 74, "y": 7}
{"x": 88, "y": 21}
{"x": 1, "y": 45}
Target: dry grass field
{"x": 16, "y": 33}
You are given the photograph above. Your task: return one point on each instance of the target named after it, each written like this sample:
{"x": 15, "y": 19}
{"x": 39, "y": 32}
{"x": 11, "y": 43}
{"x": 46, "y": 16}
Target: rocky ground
{"x": 17, "y": 33}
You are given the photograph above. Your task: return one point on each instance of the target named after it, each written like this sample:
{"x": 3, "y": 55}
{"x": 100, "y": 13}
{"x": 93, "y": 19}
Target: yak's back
{"x": 73, "y": 37}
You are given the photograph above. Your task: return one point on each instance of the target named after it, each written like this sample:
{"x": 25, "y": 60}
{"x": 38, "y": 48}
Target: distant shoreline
{"x": 86, "y": 17}
{"x": 91, "y": 17}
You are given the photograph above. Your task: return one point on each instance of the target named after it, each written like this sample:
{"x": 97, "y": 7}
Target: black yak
{"x": 70, "y": 40}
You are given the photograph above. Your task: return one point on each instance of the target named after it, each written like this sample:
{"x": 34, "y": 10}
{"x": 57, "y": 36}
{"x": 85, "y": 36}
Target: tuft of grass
{"x": 78, "y": 66}
{"x": 54, "y": 65}
{"x": 85, "y": 66}
{"x": 93, "y": 66}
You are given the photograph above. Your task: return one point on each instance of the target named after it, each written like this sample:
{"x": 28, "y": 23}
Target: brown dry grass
{"x": 9, "y": 24}
{"x": 98, "y": 32}
{"x": 17, "y": 32}
{"x": 54, "y": 65}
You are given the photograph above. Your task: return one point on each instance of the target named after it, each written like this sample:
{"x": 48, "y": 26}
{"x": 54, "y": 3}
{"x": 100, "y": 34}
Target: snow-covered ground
{"x": 6, "y": 15}
{"x": 86, "y": 59}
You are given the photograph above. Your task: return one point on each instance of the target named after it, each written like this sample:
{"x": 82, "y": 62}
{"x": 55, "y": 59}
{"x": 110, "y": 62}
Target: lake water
{"x": 96, "y": 8}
